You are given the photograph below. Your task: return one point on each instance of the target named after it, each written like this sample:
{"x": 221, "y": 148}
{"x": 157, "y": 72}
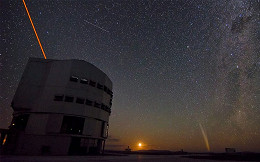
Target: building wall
{"x": 42, "y": 94}
{"x": 31, "y": 144}
{"x": 37, "y": 124}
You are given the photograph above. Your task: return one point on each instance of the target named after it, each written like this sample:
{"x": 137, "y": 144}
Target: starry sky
{"x": 179, "y": 68}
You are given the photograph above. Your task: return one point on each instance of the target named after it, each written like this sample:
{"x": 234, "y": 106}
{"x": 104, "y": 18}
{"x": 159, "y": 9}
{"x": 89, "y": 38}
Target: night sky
{"x": 179, "y": 68}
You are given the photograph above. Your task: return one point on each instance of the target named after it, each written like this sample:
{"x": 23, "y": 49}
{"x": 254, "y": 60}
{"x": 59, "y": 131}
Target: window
{"x": 92, "y": 83}
{"x": 74, "y": 79}
{"x": 110, "y": 102}
{"x": 88, "y": 102}
{"x": 58, "y": 97}
{"x": 99, "y": 86}
{"x": 102, "y": 106}
{"x": 72, "y": 125}
{"x": 105, "y": 88}
{"x": 69, "y": 99}
{"x": 107, "y": 108}
{"x": 20, "y": 122}
{"x": 80, "y": 100}
{"x": 45, "y": 150}
{"x": 107, "y": 126}
{"x": 110, "y": 92}
{"x": 96, "y": 105}
{"x": 104, "y": 129}
{"x": 83, "y": 81}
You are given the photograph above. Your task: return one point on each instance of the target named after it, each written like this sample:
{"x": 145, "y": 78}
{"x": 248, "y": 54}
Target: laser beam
{"x": 34, "y": 29}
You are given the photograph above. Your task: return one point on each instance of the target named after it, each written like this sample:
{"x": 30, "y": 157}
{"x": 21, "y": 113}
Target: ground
{"x": 129, "y": 158}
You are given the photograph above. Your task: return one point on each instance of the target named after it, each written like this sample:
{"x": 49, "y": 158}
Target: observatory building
{"x": 61, "y": 107}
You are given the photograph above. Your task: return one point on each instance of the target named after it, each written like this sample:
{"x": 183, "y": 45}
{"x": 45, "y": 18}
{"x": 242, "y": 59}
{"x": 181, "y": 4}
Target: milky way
{"x": 174, "y": 64}
{"x": 238, "y": 71}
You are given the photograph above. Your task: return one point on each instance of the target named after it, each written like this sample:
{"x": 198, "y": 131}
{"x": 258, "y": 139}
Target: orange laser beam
{"x": 34, "y": 30}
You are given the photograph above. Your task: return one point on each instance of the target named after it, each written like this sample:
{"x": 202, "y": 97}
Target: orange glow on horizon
{"x": 34, "y": 30}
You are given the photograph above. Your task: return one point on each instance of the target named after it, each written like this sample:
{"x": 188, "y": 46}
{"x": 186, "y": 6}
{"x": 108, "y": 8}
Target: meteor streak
{"x": 205, "y": 137}
{"x": 96, "y": 26}
{"x": 34, "y": 30}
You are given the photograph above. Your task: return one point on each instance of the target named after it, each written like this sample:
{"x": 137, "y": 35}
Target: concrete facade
{"x": 61, "y": 107}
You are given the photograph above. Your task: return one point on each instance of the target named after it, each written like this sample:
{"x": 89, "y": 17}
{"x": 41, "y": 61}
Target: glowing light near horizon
{"x": 4, "y": 139}
{"x": 140, "y": 144}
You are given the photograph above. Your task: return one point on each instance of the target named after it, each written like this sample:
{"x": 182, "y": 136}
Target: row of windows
{"x": 75, "y": 125}
{"x": 70, "y": 124}
{"x": 83, "y": 101}
{"x": 92, "y": 83}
